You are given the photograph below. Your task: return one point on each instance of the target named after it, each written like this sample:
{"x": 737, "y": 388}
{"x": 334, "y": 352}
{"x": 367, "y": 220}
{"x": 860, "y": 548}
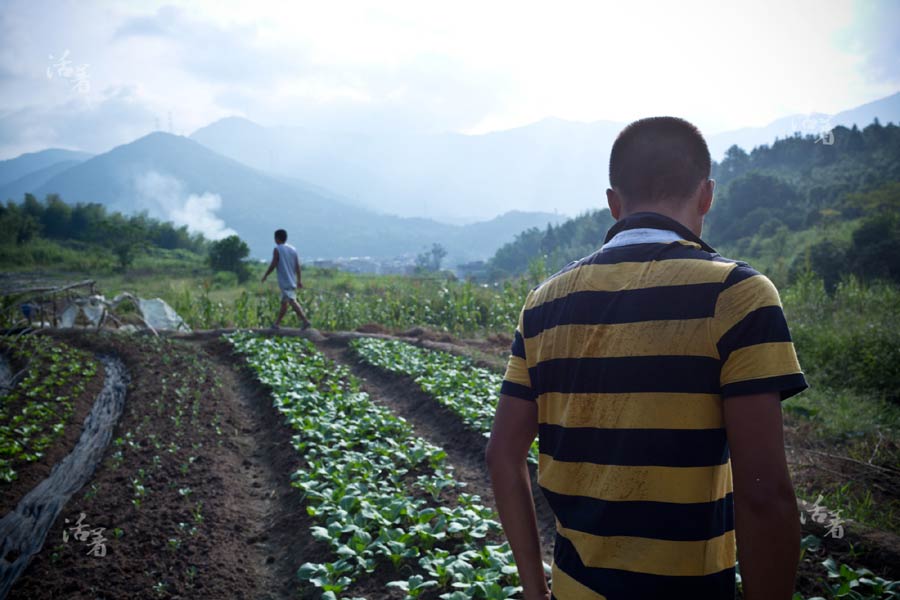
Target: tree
{"x": 57, "y": 217}
{"x": 228, "y": 254}
{"x": 33, "y": 207}
{"x": 431, "y": 260}
{"x": 86, "y": 222}
{"x": 828, "y": 260}
{"x": 16, "y": 224}
{"x": 748, "y": 202}
{"x": 126, "y": 243}
{"x": 169, "y": 237}
{"x": 876, "y": 247}
{"x": 735, "y": 163}
{"x": 882, "y": 200}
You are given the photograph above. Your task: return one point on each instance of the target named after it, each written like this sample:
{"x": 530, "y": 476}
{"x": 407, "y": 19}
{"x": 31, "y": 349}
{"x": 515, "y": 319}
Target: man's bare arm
{"x": 271, "y": 264}
{"x": 767, "y": 522}
{"x": 299, "y": 282}
{"x": 515, "y": 427}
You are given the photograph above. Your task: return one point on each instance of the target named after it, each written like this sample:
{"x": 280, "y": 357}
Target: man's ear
{"x": 614, "y": 202}
{"x": 707, "y": 191}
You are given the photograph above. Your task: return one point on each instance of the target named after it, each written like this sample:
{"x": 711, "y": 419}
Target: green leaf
{"x": 307, "y": 570}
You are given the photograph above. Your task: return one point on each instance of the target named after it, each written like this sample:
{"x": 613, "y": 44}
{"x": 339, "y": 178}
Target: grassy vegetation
{"x": 848, "y": 341}
{"x": 849, "y": 345}
{"x": 783, "y": 254}
{"x": 39, "y": 253}
{"x": 850, "y": 338}
{"x": 333, "y": 300}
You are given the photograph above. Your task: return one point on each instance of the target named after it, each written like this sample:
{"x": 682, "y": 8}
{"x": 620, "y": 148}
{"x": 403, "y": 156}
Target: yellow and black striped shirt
{"x": 629, "y": 353}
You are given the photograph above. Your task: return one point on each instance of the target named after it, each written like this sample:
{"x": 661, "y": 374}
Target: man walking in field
{"x": 652, "y": 372}
{"x": 286, "y": 260}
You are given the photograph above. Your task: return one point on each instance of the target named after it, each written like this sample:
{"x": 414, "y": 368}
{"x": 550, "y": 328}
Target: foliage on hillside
{"x": 229, "y": 254}
{"x": 53, "y": 233}
{"x": 791, "y": 207}
{"x": 552, "y": 247}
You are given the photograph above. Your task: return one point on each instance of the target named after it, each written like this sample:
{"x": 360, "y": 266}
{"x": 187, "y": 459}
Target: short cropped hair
{"x": 281, "y": 236}
{"x": 658, "y": 159}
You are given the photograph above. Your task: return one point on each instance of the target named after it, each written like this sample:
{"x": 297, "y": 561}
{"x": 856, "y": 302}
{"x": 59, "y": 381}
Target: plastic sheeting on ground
{"x": 155, "y": 312}
{"x": 24, "y": 530}
{"x": 68, "y": 316}
{"x": 160, "y": 315}
{"x": 94, "y": 308}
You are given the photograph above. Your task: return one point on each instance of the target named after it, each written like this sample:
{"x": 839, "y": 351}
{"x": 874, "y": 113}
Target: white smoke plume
{"x": 164, "y": 197}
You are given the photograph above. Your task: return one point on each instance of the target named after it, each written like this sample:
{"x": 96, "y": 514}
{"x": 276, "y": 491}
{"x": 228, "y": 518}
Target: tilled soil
{"x": 218, "y": 518}
{"x": 269, "y": 460}
{"x": 816, "y": 467}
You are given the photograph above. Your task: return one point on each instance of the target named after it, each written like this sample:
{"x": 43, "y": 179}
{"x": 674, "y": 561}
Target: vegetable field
{"x": 453, "y": 381}
{"x": 35, "y": 411}
{"x": 336, "y": 466}
{"x": 382, "y": 496}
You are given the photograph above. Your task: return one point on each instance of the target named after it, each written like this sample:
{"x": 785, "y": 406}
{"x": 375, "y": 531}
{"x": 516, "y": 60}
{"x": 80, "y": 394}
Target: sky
{"x": 91, "y": 75}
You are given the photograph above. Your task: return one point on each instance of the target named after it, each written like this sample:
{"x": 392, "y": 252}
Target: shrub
{"x": 848, "y": 339}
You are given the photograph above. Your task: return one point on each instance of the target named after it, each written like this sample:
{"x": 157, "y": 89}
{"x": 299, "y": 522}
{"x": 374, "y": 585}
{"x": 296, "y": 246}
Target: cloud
{"x": 164, "y": 24}
{"x": 873, "y": 34}
{"x": 217, "y": 54}
{"x": 302, "y": 79}
{"x": 408, "y": 66}
{"x": 164, "y": 197}
{"x": 119, "y": 116}
{"x": 428, "y": 94}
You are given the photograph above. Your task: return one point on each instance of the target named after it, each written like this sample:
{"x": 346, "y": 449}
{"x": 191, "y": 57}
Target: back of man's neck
{"x": 666, "y": 211}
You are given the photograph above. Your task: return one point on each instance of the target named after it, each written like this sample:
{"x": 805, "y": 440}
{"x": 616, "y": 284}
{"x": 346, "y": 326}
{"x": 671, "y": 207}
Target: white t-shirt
{"x": 288, "y": 259}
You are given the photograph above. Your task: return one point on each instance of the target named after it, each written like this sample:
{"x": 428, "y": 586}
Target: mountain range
{"x": 29, "y": 165}
{"x": 175, "y": 178}
{"x": 552, "y": 165}
{"x": 349, "y": 194}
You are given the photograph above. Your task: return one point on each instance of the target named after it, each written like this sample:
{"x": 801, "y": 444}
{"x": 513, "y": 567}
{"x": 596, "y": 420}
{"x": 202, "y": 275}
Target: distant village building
{"x": 402, "y": 265}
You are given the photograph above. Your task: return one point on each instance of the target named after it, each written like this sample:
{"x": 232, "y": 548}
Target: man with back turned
{"x": 287, "y": 263}
{"x": 652, "y": 372}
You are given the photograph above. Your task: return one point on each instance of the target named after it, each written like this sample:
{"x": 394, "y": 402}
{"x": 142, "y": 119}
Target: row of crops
{"x": 453, "y": 381}
{"x": 471, "y": 392}
{"x": 383, "y": 498}
{"x": 34, "y": 412}
{"x": 348, "y": 303}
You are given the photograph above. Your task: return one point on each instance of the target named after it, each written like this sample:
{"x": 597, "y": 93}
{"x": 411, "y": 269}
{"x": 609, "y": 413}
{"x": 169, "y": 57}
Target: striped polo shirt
{"x": 629, "y": 353}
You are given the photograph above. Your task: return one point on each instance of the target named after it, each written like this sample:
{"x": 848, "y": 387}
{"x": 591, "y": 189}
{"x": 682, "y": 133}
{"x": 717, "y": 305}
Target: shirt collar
{"x": 652, "y": 220}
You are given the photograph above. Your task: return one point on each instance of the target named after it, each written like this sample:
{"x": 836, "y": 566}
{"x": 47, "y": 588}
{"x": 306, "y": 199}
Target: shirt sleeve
{"x": 755, "y": 349}
{"x": 517, "y": 381}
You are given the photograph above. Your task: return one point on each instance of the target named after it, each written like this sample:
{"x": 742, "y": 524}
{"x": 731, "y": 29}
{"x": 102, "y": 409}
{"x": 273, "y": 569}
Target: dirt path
{"x": 434, "y": 423}
{"x": 275, "y": 523}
